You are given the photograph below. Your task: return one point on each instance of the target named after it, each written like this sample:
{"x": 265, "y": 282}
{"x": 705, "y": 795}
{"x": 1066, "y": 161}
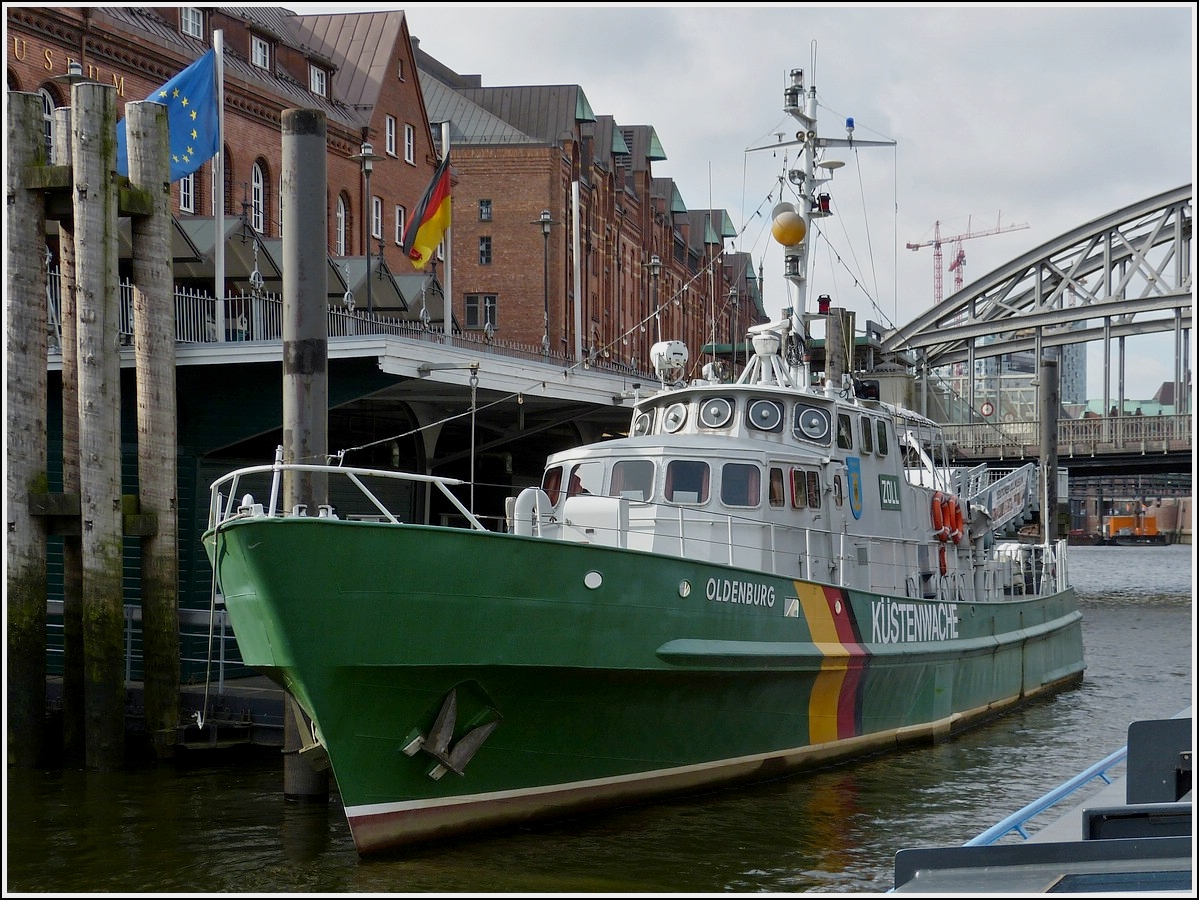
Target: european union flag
{"x": 191, "y": 101}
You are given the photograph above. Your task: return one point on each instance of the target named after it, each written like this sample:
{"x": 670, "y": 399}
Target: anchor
{"x": 437, "y": 742}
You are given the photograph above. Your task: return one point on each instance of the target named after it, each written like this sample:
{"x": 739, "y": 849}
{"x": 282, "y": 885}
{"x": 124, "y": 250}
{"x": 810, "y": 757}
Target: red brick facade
{"x": 622, "y": 222}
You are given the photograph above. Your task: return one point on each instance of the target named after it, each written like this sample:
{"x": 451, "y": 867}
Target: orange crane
{"x": 957, "y": 261}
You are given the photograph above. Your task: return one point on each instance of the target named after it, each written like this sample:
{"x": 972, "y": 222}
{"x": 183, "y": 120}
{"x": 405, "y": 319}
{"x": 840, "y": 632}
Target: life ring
{"x": 953, "y": 519}
{"x": 940, "y": 530}
{"x": 944, "y": 560}
{"x": 959, "y": 524}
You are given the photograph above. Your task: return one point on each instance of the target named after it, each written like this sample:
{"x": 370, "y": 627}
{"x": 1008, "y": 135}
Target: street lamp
{"x": 545, "y": 223}
{"x": 366, "y": 157}
{"x": 655, "y": 269}
{"x": 735, "y": 304}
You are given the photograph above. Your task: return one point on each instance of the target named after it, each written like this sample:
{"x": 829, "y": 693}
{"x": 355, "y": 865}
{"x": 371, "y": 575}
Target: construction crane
{"x": 957, "y": 260}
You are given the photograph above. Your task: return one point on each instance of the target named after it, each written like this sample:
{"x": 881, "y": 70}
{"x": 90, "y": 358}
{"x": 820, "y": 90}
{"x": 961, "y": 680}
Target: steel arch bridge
{"x": 1125, "y": 273}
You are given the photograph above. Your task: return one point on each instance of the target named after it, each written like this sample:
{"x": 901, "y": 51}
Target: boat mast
{"x": 792, "y": 221}
{"x": 795, "y": 256}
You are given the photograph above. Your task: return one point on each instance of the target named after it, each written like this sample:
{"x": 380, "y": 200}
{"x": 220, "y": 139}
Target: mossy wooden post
{"x": 72, "y": 564}
{"x": 25, "y": 399}
{"x": 157, "y": 453}
{"x": 93, "y": 159}
{"x": 304, "y": 184}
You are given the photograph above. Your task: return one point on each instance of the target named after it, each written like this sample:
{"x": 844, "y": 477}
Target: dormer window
{"x": 191, "y": 21}
{"x": 260, "y": 52}
{"x": 318, "y": 81}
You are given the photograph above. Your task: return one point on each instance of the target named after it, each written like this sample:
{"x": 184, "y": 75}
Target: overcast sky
{"x": 1004, "y": 115}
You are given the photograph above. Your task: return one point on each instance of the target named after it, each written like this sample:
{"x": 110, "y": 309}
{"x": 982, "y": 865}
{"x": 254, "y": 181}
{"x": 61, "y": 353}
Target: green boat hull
{"x": 461, "y": 680}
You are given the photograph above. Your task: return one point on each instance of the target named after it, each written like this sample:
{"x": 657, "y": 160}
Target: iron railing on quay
{"x": 258, "y": 316}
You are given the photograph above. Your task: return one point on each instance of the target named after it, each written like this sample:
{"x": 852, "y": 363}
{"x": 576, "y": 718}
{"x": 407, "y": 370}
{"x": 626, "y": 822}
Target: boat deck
{"x": 1132, "y": 834}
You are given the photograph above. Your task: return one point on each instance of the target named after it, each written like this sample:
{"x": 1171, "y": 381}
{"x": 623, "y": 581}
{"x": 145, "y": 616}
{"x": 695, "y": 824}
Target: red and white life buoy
{"x": 953, "y": 519}
{"x": 988, "y": 408}
{"x": 940, "y": 528}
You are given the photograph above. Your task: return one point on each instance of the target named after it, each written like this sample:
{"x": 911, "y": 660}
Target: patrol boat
{"x": 764, "y": 575}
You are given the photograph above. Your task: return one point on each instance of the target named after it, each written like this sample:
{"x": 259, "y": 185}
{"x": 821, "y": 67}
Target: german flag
{"x": 431, "y": 219}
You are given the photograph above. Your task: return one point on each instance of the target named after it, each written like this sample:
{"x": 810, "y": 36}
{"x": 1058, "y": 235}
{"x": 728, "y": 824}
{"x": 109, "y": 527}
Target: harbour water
{"x": 224, "y": 827}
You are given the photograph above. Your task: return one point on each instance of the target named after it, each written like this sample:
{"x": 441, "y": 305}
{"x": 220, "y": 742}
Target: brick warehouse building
{"x": 509, "y": 165}
{"x": 516, "y": 151}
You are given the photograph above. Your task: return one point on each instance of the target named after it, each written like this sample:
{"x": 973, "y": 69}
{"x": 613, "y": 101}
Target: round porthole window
{"x": 765, "y": 415}
{"x": 715, "y": 413}
{"x": 643, "y": 424}
{"x": 676, "y": 415}
{"x": 814, "y": 424}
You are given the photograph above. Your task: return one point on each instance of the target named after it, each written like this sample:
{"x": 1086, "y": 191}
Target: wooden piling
{"x": 93, "y": 159}
{"x": 1049, "y": 403}
{"x": 25, "y": 399}
{"x": 73, "y": 729}
{"x": 304, "y": 185}
{"x": 157, "y": 439}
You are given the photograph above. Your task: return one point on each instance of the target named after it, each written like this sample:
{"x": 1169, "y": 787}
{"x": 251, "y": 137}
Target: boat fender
{"x": 944, "y": 561}
{"x": 940, "y": 530}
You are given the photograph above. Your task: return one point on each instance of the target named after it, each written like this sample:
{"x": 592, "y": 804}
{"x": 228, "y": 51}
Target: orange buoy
{"x": 939, "y": 528}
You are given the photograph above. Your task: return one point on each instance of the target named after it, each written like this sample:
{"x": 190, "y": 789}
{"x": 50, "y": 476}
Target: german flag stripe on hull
{"x": 834, "y": 710}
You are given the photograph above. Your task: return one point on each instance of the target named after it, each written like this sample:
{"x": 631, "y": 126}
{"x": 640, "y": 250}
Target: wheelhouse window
{"x": 867, "y": 434}
{"x": 812, "y": 424}
{"x": 740, "y": 484}
{"x": 633, "y": 479}
{"x": 844, "y": 432}
{"x": 687, "y": 481}
{"x": 716, "y": 412}
{"x": 805, "y": 489}
{"x": 778, "y": 490}
{"x": 585, "y": 478}
{"x": 838, "y": 491}
{"x": 551, "y": 483}
{"x": 882, "y": 443}
{"x": 765, "y": 415}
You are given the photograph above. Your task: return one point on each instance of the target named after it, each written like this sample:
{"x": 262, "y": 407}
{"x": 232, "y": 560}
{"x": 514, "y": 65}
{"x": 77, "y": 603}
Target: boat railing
{"x": 228, "y": 502}
{"x": 786, "y": 549}
{"x": 1161, "y": 751}
{"x": 1017, "y": 821}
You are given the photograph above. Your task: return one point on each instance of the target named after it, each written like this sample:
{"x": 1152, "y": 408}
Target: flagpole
{"x": 447, "y": 290}
{"x": 218, "y": 177}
